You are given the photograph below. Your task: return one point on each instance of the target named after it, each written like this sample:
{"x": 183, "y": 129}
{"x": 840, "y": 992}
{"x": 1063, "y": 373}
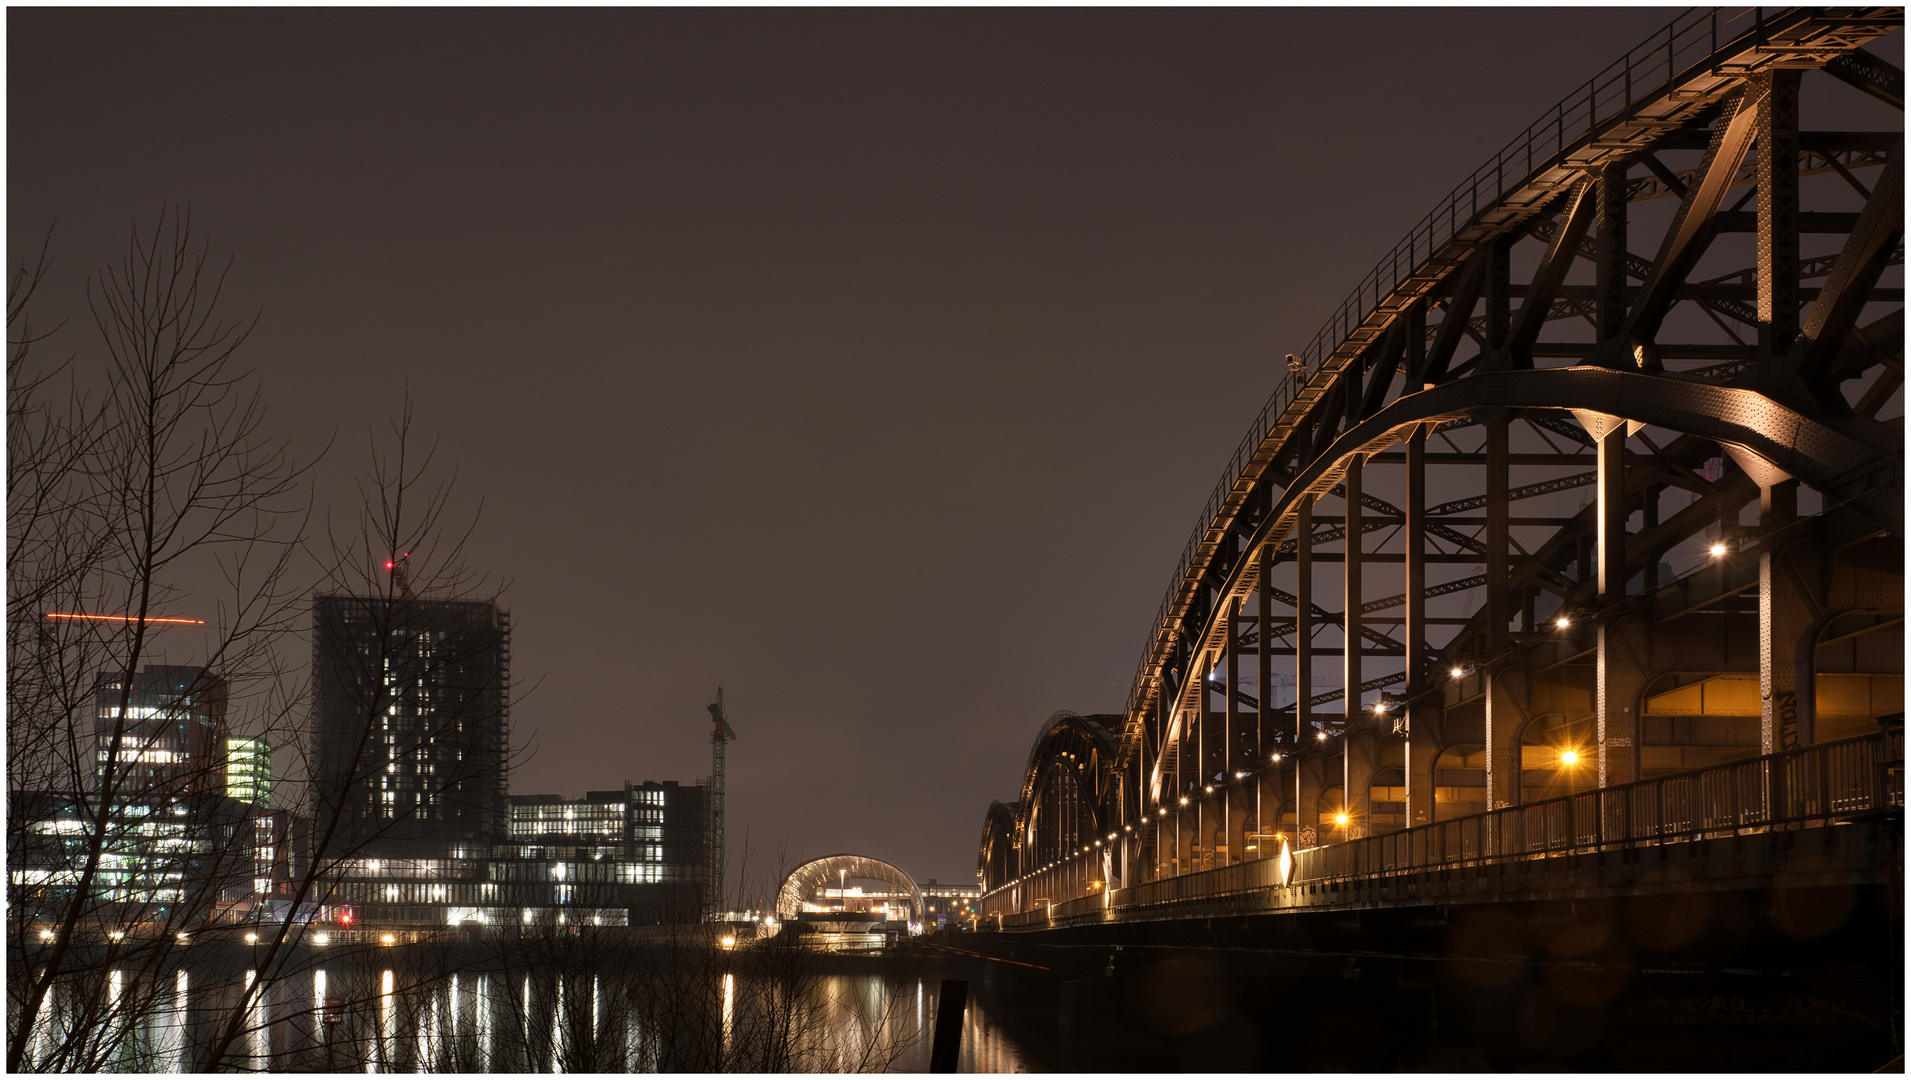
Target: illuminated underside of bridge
{"x": 1574, "y": 535}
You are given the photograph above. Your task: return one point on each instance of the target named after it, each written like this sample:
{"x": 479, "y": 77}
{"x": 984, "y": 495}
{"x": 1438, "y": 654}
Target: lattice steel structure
{"x": 1583, "y": 487}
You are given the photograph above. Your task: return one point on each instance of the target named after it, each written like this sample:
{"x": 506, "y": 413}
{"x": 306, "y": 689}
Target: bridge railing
{"x": 1799, "y": 788}
{"x": 1653, "y": 70}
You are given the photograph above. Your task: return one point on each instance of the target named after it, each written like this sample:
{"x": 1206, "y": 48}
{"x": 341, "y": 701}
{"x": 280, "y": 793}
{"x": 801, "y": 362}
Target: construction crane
{"x": 720, "y": 733}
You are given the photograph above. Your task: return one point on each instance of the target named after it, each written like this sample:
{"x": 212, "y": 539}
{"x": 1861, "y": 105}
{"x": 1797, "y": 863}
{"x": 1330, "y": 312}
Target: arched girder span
{"x": 996, "y": 860}
{"x": 1068, "y": 785}
{"x": 1441, "y": 337}
{"x": 1590, "y": 134}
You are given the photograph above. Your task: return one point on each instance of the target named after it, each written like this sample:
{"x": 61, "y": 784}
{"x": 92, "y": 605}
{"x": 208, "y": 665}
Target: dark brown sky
{"x": 872, "y": 364}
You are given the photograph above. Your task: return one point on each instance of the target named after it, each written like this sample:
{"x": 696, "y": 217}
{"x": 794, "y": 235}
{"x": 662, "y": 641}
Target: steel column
{"x": 1498, "y": 573}
{"x": 1778, "y": 297}
{"x": 1505, "y": 686}
{"x": 1232, "y": 734}
{"x": 1783, "y": 616}
{"x": 1422, "y": 743}
{"x": 1499, "y": 290}
{"x": 1613, "y": 510}
{"x": 1305, "y": 801}
{"x": 1622, "y": 667}
{"x": 1264, "y": 664}
{"x": 1353, "y": 785}
{"x": 1609, "y": 268}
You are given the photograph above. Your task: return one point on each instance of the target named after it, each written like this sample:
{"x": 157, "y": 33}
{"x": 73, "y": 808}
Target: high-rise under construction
{"x": 411, "y": 732}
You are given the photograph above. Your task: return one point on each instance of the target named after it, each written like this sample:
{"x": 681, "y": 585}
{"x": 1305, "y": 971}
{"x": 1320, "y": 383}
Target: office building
{"x": 643, "y": 850}
{"x": 249, "y": 771}
{"x": 630, "y": 857}
{"x": 159, "y": 733}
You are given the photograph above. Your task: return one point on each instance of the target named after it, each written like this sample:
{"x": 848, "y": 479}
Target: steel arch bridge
{"x": 1577, "y": 514}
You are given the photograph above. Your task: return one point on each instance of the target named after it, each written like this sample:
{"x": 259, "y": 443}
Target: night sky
{"x": 872, "y": 364}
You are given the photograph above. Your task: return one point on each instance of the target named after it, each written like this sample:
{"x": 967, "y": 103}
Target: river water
{"x": 794, "y": 1012}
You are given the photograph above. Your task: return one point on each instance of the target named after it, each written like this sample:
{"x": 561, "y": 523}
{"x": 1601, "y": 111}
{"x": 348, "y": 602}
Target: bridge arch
{"x": 996, "y": 861}
{"x": 1068, "y": 787}
{"x": 1678, "y": 405}
{"x": 807, "y": 881}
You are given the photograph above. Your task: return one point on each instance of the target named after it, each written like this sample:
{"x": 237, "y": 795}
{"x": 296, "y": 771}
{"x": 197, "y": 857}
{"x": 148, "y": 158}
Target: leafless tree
{"x": 160, "y": 486}
{"x": 145, "y": 491}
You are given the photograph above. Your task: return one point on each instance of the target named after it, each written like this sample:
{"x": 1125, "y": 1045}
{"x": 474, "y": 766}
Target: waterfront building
{"x": 167, "y": 859}
{"x": 628, "y": 857}
{"x": 644, "y": 850}
{"x": 171, "y": 844}
{"x": 948, "y": 905}
{"x": 942, "y": 905}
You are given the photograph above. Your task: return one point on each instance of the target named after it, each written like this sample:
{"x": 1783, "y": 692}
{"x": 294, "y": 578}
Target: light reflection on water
{"x": 842, "y": 1023}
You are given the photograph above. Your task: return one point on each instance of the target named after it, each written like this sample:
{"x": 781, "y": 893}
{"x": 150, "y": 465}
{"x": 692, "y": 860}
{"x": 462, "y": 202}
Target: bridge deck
{"x": 1830, "y": 812}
